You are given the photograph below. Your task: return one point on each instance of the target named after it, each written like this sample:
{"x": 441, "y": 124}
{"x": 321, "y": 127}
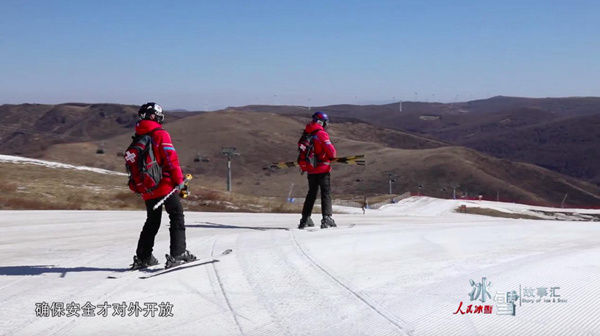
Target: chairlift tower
{"x": 391, "y": 179}
{"x": 229, "y": 152}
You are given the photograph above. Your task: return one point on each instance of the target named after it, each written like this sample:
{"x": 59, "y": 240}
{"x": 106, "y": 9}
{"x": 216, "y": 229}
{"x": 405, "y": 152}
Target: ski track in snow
{"x": 396, "y": 271}
{"x": 220, "y": 282}
{"x": 393, "y": 320}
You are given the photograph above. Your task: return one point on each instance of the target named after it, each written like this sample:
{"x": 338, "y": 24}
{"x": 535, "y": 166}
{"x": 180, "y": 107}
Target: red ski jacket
{"x": 324, "y": 150}
{"x": 166, "y": 156}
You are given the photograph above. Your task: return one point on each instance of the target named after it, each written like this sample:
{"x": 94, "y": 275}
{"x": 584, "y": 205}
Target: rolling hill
{"x": 29, "y": 129}
{"x": 556, "y": 133}
{"x": 262, "y": 138}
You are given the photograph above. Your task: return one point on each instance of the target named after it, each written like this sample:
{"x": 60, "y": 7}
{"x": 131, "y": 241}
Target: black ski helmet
{"x": 320, "y": 118}
{"x": 149, "y": 109}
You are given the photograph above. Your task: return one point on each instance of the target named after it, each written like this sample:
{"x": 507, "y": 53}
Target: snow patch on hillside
{"x": 52, "y": 164}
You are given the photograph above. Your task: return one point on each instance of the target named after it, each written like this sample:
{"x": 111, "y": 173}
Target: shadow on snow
{"x": 33, "y": 270}
{"x": 209, "y": 225}
{"x": 42, "y": 269}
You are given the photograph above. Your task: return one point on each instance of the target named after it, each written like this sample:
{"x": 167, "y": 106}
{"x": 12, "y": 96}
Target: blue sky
{"x": 212, "y": 54}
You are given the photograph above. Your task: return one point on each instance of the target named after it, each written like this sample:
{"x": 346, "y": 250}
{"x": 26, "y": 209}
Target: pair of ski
{"x": 156, "y": 270}
{"x": 358, "y": 160}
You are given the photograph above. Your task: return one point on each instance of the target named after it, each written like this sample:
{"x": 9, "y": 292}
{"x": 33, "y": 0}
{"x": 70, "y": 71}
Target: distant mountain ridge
{"x": 558, "y": 133}
{"x": 419, "y": 164}
{"x": 31, "y": 128}
{"x": 428, "y": 161}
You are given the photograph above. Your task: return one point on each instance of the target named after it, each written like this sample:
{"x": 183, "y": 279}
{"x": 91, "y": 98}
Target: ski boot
{"x": 326, "y": 222}
{"x": 179, "y": 259}
{"x": 143, "y": 263}
{"x": 305, "y": 222}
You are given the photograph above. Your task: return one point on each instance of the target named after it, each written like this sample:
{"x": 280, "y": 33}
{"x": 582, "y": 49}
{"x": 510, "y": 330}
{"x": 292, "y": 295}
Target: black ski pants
{"x": 176, "y": 230}
{"x": 316, "y": 181}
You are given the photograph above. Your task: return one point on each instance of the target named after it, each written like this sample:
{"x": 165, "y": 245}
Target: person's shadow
{"x": 32, "y": 270}
{"x": 209, "y": 225}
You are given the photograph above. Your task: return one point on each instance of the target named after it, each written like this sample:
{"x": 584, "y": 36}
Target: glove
{"x": 181, "y": 186}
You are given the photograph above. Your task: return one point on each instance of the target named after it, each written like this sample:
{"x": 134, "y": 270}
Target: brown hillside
{"x": 569, "y": 146}
{"x": 28, "y": 129}
{"x": 262, "y": 138}
{"x": 556, "y": 133}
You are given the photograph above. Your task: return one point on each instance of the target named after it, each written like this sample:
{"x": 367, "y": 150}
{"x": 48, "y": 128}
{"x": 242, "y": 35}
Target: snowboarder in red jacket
{"x": 151, "y": 117}
{"x": 319, "y": 176}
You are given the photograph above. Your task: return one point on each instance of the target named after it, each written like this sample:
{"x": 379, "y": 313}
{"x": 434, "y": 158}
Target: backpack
{"x": 144, "y": 172}
{"x": 307, "y": 160}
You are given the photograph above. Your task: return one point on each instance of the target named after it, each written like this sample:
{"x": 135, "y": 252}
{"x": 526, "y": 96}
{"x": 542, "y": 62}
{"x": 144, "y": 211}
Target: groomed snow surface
{"x": 401, "y": 270}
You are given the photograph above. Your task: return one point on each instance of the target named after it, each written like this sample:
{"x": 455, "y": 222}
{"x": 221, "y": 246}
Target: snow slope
{"x": 402, "y": 270}
{"x": 427, "y": 206}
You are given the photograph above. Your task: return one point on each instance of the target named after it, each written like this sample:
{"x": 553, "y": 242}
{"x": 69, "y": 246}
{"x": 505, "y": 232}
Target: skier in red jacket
{"x": 319, "y": 177}
{"x": 151, "y": 117}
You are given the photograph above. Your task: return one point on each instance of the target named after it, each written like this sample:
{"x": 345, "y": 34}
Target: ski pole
{"x": 188, "y": 177}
